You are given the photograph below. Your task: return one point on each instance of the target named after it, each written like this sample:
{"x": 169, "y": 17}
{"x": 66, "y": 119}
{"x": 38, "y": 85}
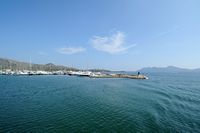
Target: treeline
{"x": 16, "y": 65}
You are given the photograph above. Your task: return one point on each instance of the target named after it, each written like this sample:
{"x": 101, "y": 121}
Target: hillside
{"x": 17, "y": 65}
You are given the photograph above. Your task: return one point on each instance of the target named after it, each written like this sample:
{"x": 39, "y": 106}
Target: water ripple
{"x": 73, "y": 104}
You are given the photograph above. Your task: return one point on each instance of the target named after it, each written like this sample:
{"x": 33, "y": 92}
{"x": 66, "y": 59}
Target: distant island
{"x": 169, "y": 69}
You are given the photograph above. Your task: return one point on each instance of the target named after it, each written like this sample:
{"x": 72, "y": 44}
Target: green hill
{"x": 17, "y": 65}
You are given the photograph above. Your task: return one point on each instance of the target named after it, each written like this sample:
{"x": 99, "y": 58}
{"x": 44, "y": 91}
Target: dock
{"x": 119, "y": 76}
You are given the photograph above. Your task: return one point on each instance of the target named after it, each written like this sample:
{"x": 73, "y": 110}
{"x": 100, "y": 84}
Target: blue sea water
{"x": 164, "y": 103}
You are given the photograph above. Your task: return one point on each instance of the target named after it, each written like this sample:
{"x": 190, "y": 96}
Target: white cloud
{"x": 113, "y": 44}
{"x": 71, "y": 50}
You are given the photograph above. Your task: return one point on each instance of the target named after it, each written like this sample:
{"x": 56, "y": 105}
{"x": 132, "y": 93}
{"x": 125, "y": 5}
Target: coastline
{"x": 89, "y": 74}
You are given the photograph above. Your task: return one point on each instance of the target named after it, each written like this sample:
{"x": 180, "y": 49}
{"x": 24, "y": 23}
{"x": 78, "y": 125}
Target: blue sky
{"x": 110, "y": 34}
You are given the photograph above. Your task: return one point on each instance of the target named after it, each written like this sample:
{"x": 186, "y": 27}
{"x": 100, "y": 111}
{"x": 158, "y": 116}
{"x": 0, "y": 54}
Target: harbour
{"x": 81, "y": 73}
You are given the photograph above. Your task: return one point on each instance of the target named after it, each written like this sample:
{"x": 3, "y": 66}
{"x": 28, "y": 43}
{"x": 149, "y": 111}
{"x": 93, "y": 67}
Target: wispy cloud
{"x": 111, "y": 44}
{"x": 167, "y": 32}
{"x": 42, "y": 53}
{"x": 71, "y": 50}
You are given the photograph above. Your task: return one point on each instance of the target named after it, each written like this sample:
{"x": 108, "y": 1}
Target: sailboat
{"x": 30, "y": 68}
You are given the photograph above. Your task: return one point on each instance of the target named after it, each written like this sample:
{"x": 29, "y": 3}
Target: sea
{"x": 165, "y": 103}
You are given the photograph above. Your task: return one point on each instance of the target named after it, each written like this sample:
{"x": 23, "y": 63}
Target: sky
{"x": 107, "y": 34}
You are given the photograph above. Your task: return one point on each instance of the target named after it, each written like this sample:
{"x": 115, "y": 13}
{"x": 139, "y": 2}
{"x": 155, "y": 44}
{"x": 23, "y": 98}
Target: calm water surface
{"x": 164, "y": 103}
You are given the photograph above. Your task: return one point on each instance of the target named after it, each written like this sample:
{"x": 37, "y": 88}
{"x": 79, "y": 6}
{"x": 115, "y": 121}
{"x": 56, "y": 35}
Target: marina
{"x": 82, "y": 73}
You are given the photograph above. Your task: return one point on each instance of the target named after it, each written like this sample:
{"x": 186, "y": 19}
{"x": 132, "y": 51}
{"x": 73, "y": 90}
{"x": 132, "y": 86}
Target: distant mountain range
{"x": 168, "y": 69}
{"x": 18, "y": 65}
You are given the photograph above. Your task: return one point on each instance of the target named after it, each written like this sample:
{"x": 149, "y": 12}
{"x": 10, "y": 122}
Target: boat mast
{"x": 30, "y": 66}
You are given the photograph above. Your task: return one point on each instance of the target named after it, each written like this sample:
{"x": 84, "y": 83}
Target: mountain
{"x": 171, "y": 69}
{"x": 17, "y": 65}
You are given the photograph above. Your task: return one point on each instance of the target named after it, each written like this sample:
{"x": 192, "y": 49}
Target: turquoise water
{"x": 164, "y": 103}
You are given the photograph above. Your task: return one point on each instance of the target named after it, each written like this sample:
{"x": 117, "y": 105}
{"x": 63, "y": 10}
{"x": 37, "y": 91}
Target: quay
{"x": 120, "y": 76}
{"x": 106, "y": 75}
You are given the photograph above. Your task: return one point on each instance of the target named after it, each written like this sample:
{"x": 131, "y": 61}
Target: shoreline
{"x": 89, "y": 74}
